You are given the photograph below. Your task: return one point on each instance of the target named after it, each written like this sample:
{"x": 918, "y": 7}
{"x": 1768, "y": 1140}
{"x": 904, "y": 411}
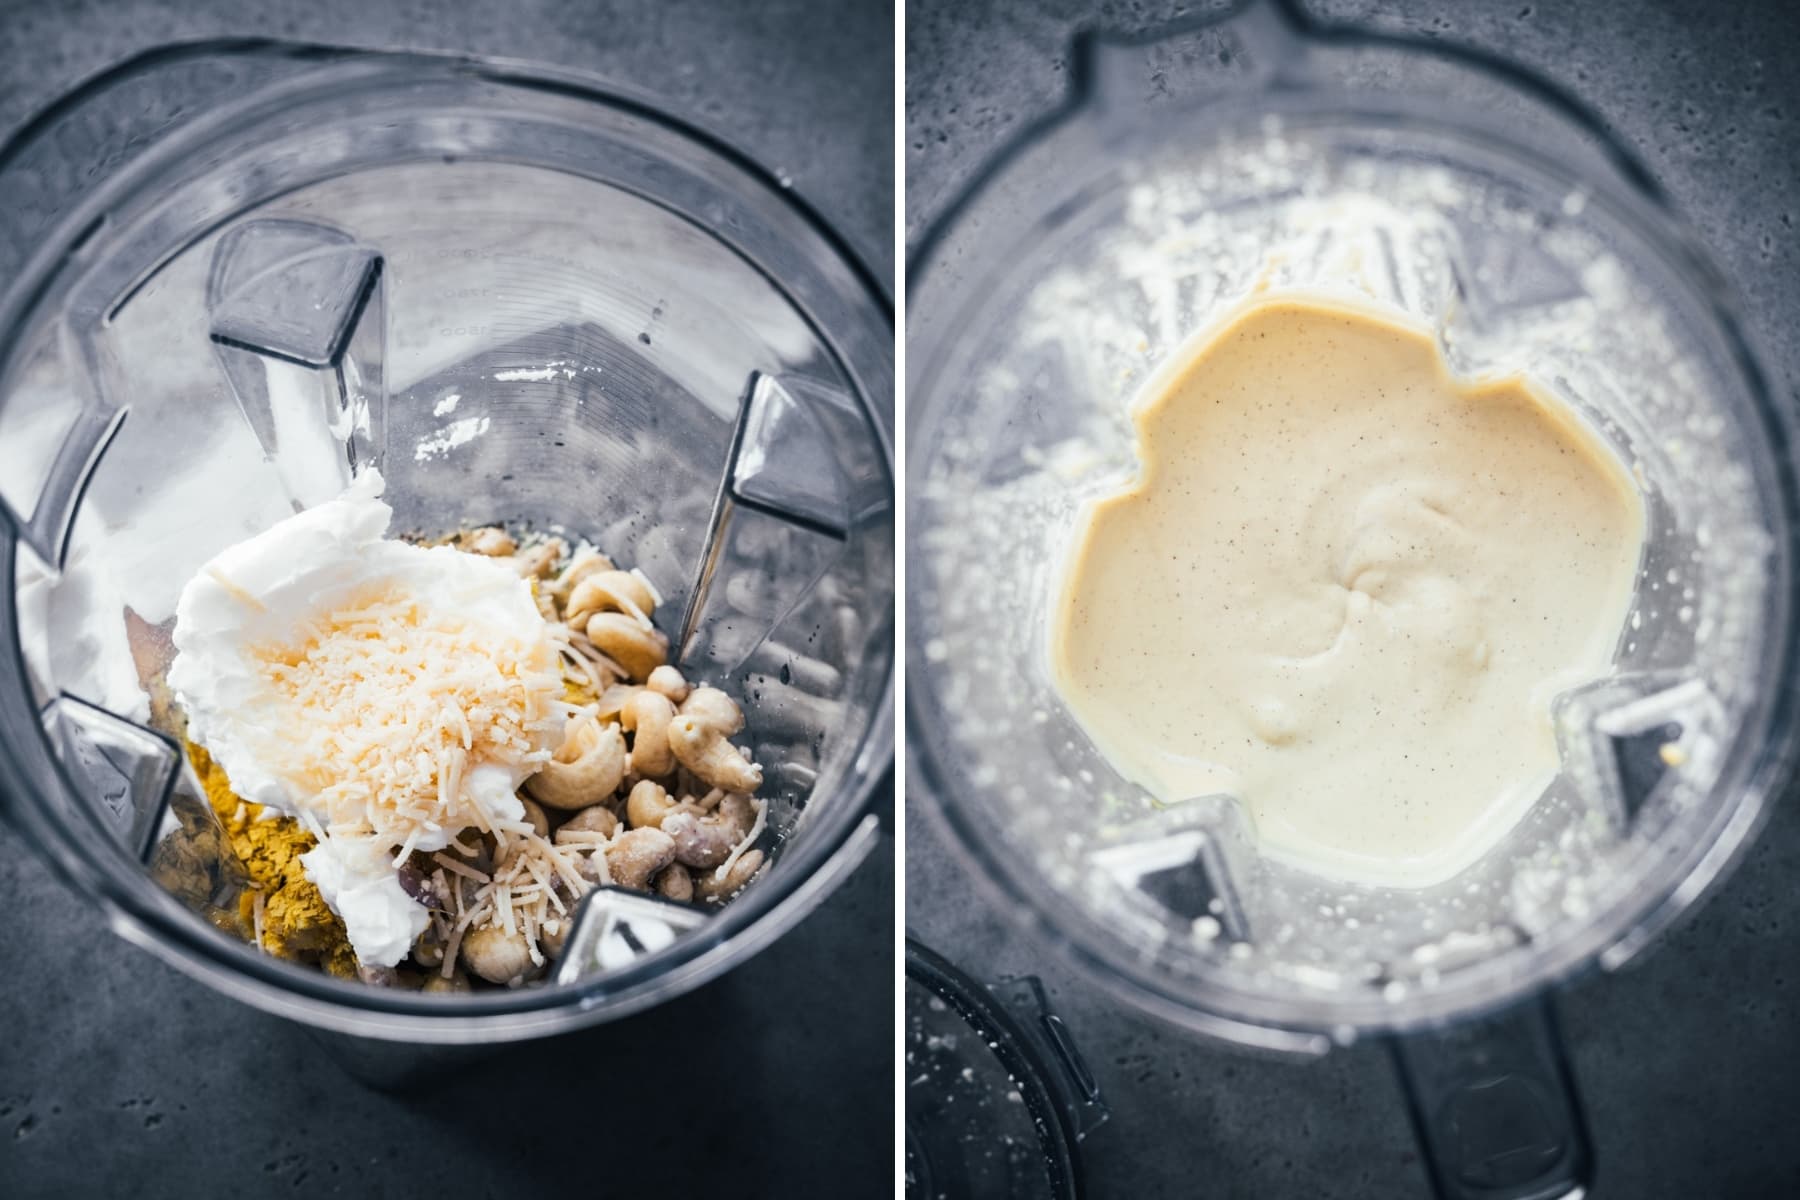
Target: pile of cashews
{"x": 647, "y": 790}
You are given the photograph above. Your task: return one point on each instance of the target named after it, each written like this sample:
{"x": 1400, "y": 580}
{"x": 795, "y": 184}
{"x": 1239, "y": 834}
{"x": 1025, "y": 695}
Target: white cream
{"x": 360, "y": 885}
{"x": 270, "y": 591}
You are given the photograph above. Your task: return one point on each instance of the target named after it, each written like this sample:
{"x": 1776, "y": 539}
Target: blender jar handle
{"x": 1072, "y": 1081}
{"x": 1494, "y": 1105}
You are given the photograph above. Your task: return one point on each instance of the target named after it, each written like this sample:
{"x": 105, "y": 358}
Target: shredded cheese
{"x": 737, "y": 851}
{"x": 459, "y": 868}
{"x": 521, "y": 894}
{"x": 451, "y": 947}
{"x": 392, "y": 704}
{"x": 656, "y": 596}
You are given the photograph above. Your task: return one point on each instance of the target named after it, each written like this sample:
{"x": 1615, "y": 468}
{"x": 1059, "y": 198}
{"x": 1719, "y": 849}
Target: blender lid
{"x": 997, "y": 1096}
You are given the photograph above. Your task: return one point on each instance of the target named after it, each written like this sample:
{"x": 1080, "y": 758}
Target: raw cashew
{"x": 675, "y": 883}
{"x": 707, "y": 841}
{"x": 668, "y": 681}
{"x": 715, "y": 708}
{"x": 702, "y": 749}
{"x": 742, "y": 871}
{"x": 588, "y": 769}
{"x": 534, "y": 562}
{"x": 638, "y": 854}
{"x": 428, "y": 951}
{"x": 551, "y": 941}
{"x": 491, "y": 540}
{"x": 615, "y": 700}
{"x": 608, "y": 591}
{"x": 650, "y": 714}
{"x": 545, "y": 605}
{"x": 620, "y": 637}
{"x": 496, "y": 955}
{"x": 595, "y": 819}
{"x": 435, "y": 982}
{"x": 650, "y": 803}
{"x": 590, "y": 563}
{"x": 540, "y": 821}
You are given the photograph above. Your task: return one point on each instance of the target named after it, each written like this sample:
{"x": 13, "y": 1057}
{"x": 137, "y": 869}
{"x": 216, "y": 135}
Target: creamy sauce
{"x": 1345, "y": 589}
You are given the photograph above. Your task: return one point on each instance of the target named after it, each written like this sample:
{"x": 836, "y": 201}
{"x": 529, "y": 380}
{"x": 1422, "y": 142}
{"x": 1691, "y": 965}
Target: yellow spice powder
{"x": 296, "y": 921}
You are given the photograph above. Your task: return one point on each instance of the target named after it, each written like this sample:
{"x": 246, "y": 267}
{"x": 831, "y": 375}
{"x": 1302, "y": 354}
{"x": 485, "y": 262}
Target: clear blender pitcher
{"x": 1262, "y": 151}
{"x": 241, "y": 274}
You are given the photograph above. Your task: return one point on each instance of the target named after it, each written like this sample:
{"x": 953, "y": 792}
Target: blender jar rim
{"x": 105, "y": 872}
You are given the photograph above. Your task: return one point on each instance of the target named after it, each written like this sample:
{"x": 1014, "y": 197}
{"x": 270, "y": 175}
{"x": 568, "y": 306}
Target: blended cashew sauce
{"x": 1345, "y": 589}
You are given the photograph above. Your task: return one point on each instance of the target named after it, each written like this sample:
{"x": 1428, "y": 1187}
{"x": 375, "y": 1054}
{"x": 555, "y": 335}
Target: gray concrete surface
{"x": 1690, "y": 1059}
{"x": 119, "y": 1077}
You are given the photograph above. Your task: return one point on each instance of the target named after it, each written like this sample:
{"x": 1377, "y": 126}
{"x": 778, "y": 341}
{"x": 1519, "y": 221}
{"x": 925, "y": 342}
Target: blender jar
{"x": 1262, "y": 151}
{"x": 244, "y": 273}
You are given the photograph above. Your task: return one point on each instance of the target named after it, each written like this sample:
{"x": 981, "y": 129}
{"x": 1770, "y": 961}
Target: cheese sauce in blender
{"x": 1345, "y": 588}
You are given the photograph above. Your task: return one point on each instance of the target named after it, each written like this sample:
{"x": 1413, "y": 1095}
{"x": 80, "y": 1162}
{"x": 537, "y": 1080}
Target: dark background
{"x": 1690, "y": 1059}
{"x": 119, "y": 1077}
